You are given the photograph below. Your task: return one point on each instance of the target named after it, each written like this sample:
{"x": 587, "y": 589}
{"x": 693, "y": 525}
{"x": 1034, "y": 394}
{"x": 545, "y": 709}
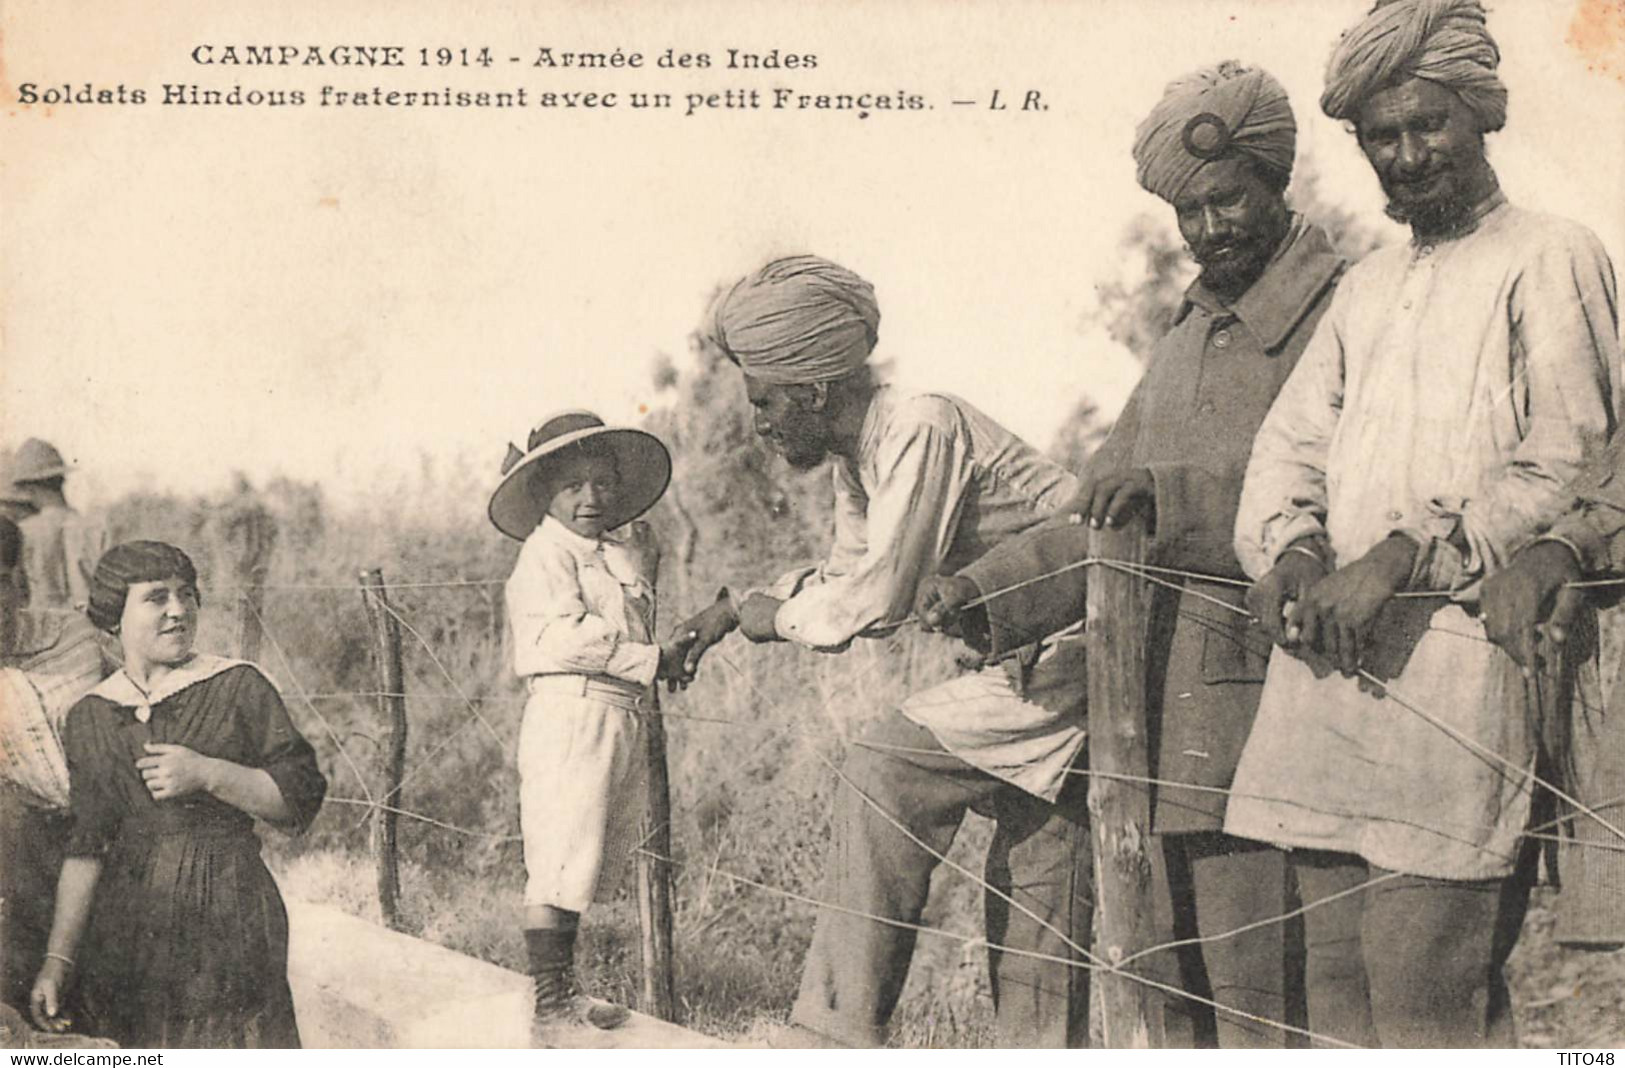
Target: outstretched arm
{"x": 912, "y": 516}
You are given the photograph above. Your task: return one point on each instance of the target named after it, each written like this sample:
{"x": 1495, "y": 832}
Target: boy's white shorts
{"x": 582, "y": 782}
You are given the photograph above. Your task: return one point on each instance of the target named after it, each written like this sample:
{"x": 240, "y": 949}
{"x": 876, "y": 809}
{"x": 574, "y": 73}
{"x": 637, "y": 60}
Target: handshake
{"x": 681, "y": 653}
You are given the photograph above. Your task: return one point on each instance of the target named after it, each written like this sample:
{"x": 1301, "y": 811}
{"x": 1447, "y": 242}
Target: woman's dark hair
{"x": 123, "y": 566}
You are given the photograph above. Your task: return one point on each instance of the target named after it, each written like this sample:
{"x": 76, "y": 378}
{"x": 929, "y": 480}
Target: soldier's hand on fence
{"x": 172, "y": 771}
{"x": 1282, "y": 588}
{"x": 757, "y": 618}
{"x": 1528, "y": 598}
{"x": 940, "y": 599}
{"x": 1116, "y": 497}
{"x": 1335, "y": 616}
{"x": 940, "y": 602}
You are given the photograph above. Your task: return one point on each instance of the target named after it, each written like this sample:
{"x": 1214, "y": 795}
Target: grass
{"x": 750, "y": 799}
{"x": 751, "y": 795}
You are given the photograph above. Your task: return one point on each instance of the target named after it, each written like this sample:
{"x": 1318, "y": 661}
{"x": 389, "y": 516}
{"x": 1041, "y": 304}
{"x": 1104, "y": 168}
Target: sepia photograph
{"x": 920, "y": 524}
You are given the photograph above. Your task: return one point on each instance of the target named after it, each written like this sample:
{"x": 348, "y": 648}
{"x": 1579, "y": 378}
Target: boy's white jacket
{"x": 585, "y": 606}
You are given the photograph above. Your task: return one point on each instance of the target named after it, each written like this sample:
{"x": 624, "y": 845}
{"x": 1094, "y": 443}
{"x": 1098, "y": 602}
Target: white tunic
{"x": 1459, "y": 383}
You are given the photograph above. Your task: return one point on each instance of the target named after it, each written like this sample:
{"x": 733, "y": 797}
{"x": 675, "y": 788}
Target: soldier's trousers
{"x": 1408, "y": 961}
{"x": 1040, "y": 856}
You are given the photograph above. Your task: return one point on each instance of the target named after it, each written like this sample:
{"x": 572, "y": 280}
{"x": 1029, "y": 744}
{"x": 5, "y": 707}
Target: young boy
{"x": 581, "y": 609}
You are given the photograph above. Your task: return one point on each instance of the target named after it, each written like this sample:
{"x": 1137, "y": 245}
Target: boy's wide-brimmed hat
{"x": 641, "y": 460}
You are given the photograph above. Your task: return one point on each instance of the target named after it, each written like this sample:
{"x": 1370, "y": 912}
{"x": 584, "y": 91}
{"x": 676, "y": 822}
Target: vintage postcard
{"x": 516, "y": 513}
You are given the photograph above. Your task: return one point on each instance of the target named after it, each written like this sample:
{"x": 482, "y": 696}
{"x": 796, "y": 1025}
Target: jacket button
{"x": 1221, "y": 339}
{"x": 1395, "y": 515}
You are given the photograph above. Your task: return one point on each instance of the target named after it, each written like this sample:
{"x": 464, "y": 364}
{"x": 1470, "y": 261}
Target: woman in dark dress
{"x": 170, "y": 761}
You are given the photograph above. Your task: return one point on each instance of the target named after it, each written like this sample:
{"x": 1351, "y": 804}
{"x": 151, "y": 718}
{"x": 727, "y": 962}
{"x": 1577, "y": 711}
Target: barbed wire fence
{"x": 1119, "y": 794}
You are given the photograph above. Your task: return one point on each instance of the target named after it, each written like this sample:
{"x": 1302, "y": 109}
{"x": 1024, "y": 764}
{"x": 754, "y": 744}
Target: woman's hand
{"x": 172, "y": 771}
{"x": 45, "y": 1001}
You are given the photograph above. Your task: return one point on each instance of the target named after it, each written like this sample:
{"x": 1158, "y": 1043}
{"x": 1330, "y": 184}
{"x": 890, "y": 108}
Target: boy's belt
{"x": 611, "y": 691}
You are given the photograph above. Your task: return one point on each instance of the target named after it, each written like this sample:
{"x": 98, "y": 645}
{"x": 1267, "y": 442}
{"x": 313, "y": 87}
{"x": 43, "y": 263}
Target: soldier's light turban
{"x": 1209, "y": 114}
{"x": 798, "y": 320}
{"x": 1442, "y": 41}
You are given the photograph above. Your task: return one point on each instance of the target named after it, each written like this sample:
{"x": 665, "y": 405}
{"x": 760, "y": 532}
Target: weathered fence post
{"x": 245, "y": 536}
{"x": 250, "y": 627}
{"x": 1120, "y": 810}
{"x": 386, "y": 653}
{"x": 654, "y": 867}
{"x": 654, "y": 880}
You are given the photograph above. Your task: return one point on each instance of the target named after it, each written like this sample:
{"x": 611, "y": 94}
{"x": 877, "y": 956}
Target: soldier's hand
{"x": 1335, "y": 616}
{"x": 945, "y": 603}
{"x": 1282, "y": 588}
{"x": 941, "y": 599}
{"x": 708, "y": 627}
{"x": 673, "y": 668}
{"x": 1116, "y": 497}
{"x": 1530, "y": 598}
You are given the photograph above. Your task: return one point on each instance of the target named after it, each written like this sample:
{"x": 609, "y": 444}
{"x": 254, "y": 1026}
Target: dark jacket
{"x": 1191, "y": 422}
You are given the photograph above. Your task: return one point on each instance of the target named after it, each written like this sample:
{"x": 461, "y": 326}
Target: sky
{"x": 338, "y": 295}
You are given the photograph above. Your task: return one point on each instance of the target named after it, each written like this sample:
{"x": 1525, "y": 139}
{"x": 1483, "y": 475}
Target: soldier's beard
{"x": 1438, "y": 202}
{"x": 1230, "y": 275}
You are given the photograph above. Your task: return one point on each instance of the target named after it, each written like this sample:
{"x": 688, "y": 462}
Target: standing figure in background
{"x": 581, "y": 603}
{"x": 165, "y": 912}
{"x": 1536, "y": 598}
{"x": 1219, "y": 148}
{"x": 16, "y": 505}
{"x": 1453, "y": 391}
{"x": 48, "y": 660}
{"x": 61, "y": 546}
{"x": 924, "y": 483}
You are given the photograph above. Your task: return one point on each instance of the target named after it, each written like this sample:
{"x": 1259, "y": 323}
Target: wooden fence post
{"x": 245, "y": 535}
{"x": 386, "y": 652}
{"x": 250, "y": 627}
{"x": 654, "y": 879}
{"x": 1119, "y": 810}
{"x": 654, "y": 869}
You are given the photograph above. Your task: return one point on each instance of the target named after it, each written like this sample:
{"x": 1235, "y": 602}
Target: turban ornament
{"x": 798, "y": 320}
{"x": 1442, "y": 41}
{"x": 1210, "y": 114}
